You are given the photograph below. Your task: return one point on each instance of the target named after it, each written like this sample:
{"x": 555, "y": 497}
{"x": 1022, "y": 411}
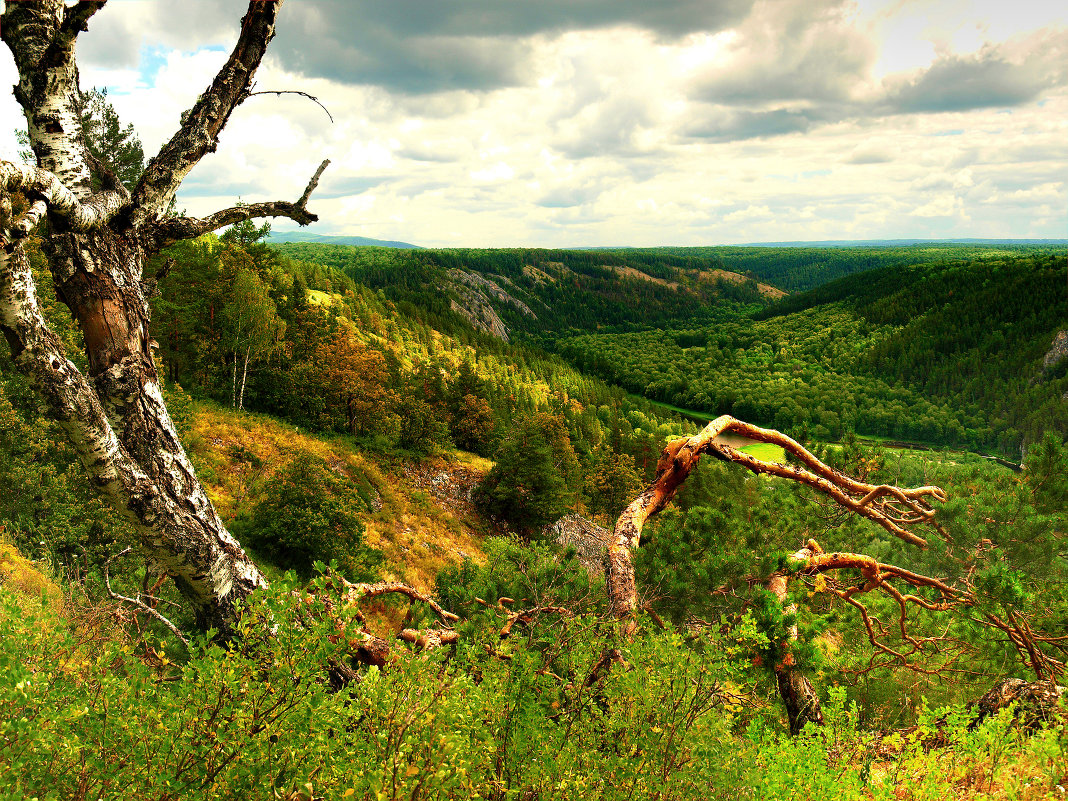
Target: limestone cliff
{"x": 1057, "y": 352}
{"x": 472, "y": 298}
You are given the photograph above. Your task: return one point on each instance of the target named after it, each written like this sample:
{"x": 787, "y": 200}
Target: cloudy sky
{"x": 617, "y": 122}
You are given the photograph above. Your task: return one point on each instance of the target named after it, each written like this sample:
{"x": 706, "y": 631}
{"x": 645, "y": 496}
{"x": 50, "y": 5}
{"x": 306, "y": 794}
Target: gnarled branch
{"x": 204, "y": 122}
{"x": 812, "y": 561}
{"x": 76, "y": 17}
{"x": 527, "y": 615}
{"x": 893, "y": 508}
{"x": 356, "y": 592}
{"x": 372, "y": 650}
{"x": 47, "y": 192}
{"x": 173, "y": 229}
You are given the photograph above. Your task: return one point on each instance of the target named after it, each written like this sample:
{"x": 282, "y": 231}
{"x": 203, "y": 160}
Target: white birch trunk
{"x": 115, "y": 415}
{"x": 244, "y": 375}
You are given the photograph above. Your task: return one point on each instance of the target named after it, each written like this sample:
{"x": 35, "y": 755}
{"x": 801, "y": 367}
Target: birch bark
{"x": 97, "y": 246}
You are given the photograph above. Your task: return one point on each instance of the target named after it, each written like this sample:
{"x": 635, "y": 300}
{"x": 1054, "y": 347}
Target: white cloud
{"x": 621, "y": 124}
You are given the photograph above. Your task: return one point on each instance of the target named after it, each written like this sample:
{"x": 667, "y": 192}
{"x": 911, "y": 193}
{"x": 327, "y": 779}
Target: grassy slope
{"x": 420, "y": 527}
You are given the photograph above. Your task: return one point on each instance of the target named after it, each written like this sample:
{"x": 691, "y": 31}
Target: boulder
{"x": 1035, "y": 701}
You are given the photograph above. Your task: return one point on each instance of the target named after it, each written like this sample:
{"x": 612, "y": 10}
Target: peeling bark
{"x": 798, "y": 695}
{"x": 97, "y": 247}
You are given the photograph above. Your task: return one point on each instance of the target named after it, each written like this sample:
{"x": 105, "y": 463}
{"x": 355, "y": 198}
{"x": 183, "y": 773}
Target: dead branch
{"x": 137, "y": 602}
{"x": 430, "y": 639}
{"x": 202, "y": 124}
{"x": 294, "y": 92}
{"x": 813, "y": 561}
{"x": 174, "y": 229}
{"x": 611, "y": 656}
{"x": 893, "y": 508}
{"x": 355, "y": 592}
{"x": 368, "y": 649}
{"x": 527, "y": 615}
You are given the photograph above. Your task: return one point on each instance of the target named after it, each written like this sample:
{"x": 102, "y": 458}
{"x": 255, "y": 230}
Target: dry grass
{"x": 767, "y": 290}
{"x": 631, "y": 272}
{"x": 19, "y": 574}
{"x": 419, "y": 530}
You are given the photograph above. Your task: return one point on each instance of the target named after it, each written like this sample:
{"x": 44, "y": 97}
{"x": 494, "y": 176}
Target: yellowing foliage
{"x": 21, "y": 575}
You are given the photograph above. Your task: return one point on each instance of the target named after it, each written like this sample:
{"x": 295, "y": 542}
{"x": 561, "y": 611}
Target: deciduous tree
{"x": 97, "y": 246}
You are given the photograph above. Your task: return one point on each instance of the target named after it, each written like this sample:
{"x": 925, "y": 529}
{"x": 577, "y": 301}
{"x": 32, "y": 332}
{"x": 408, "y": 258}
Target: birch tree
{"x": 253, "y": 328}
{"x": 97, "y": 244}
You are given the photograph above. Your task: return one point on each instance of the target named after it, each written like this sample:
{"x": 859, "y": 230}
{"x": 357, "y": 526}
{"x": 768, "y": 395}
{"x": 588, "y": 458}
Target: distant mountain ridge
{"x": 875, "y": 243}
{"x": 533, "y": 291}
{"x": 278, "y": 237}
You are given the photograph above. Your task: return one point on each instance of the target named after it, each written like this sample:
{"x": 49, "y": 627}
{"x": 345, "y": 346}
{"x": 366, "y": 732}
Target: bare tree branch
{"x": 356, "y": 592}
{"x": 527, "y": 615}
{"x": 893, "y": 508}
{"x": 138, "y": 602}
{"x": 431, "y": 639}
{"x": 294, "y": 92}
{"x": 203, "y": 123}
{"x": 76, "y": 17}
{"x": 174, "y": 229}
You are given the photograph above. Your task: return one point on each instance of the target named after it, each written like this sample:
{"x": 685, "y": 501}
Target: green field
{"x": 765, "y": 451}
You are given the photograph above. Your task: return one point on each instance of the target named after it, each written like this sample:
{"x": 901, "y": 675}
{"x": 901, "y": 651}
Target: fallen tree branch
{"x": 356, "y": 592}
{"x": 430, "y": 639}
{"x": 527, "y": 615}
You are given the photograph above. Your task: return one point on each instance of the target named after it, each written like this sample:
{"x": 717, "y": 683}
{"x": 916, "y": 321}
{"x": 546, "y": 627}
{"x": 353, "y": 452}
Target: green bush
{"x": 308, "y": 513}
{"x": 82, "y": 717}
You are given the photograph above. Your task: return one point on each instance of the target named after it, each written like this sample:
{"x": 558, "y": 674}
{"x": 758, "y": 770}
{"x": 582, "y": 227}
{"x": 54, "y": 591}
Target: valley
{"x": 426, "y": 417}
{"x": 412, "y": 424}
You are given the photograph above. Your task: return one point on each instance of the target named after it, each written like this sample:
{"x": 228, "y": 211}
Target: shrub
{"x": 309, "y": 513}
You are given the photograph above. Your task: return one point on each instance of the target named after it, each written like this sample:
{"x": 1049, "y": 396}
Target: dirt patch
{"x": 767, "y": 290}
{"x": 631, "y": 272}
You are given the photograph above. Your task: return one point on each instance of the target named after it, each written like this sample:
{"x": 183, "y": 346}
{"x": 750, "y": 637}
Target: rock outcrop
{"x": 1035, "y": 701}
{"x": 473, "y": 301}
{"x": 1057, "y": 352}
{"x": 587, "y": 538}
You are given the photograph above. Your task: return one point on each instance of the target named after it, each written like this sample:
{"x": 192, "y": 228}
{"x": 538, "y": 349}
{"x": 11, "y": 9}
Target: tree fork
{"x": 99, "y": 243}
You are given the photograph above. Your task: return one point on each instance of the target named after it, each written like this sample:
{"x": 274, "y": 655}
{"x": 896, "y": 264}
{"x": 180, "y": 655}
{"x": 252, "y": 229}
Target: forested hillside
{"x": 935, "y": 351}
{"x": 556, "y": 290}
{"x": 317, "y": 521}
{"x": 370, "y": 391}
{"x": 941, "y": 354}
{"x": 801, "y": 267}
